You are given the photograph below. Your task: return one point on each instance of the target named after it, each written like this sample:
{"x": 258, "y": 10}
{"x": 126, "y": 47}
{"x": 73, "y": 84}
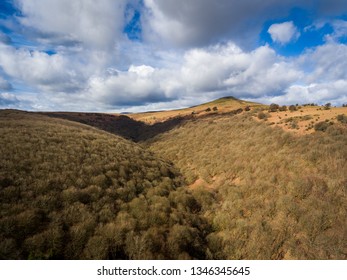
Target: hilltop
{"x": 221, "y": 105}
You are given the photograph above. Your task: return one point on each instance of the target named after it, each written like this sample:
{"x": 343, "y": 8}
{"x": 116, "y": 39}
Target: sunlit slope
{"x": 304, "y": 119}
{"x": 68, "y": 191}
{"x": 272, "y": 195}
{"x": 222, "y": 105}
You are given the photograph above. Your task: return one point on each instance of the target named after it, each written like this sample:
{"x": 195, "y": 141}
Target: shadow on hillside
{"x": 129, "y": 128}
{"x": 122, "y": 125}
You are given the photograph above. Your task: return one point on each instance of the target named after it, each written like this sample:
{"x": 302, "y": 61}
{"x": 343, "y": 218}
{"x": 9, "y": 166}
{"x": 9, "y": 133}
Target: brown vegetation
{"x": 236, "y": 183}
{"x": 277, "y": 197}
{"x": 68, "y": 191}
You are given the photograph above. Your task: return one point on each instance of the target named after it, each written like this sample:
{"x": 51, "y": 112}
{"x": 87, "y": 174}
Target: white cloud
{"x": 50, "y": 73}
{"x": 203, "y": 74}
{"x": 139, "y": 85}
{"x": 321, "y": 93}
{"x": 266, "y": 74}
{"x": 207, "y": 73}
{"x": 142, "y": 70}
{"x": 97, "y": 68}
{"x": 284, "y": 33}
{"x": 325, "y": 78}
{"x": 229, "y": 69}
{"x": 204, "y": 70}
{"x": 61, "y": 72}
{"x": 96, "y": 24}
{"x": 198, "y": 75}
{"x": 325, "y": 63}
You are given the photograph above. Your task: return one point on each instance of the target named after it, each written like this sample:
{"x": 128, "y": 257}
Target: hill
{"x": 69, "y": 191}
{"x": 143, "y": 126}
{"x": 219, "y": 106}
{"x": 268, "y": 193}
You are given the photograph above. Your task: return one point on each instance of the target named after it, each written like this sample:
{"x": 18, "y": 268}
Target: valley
{"x": 228, "y": 179}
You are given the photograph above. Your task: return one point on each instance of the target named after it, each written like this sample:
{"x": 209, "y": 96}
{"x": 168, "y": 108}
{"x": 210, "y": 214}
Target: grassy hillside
{"x": 268, "y": 194}
{"x": 219, "y": 106}
{"x": 68, "y": 191}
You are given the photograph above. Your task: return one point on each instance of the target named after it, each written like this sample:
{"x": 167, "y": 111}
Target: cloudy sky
{"x": 136, "y": 55}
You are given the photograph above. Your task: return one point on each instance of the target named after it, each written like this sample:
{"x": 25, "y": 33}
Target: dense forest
{"x": 223, "y": 186}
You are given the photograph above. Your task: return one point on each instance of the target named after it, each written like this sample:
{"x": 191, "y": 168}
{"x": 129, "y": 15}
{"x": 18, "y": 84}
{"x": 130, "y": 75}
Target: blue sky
{"x": 136, "y": 55}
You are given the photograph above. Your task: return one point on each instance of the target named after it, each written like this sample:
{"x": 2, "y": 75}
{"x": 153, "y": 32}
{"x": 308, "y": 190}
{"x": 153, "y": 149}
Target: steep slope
{"x": 116, "y": 124}
{"x": 69, "y": 191}
{"x": 268, "y": 193}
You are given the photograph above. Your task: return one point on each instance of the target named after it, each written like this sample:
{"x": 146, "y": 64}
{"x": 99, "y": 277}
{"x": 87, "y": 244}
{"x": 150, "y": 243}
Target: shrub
{"x": 294, "y": 125}
{"x": 283, "y": 108}
{"x": 273, "y": 107}
{"x": 327, "y": 106}
{"x": 342, "y": 118}
{"x": 292, "y": 108}
{"x": 237, "y": 111}
{"x": 262, "y": 116}
{"x": 321, "y": 126}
